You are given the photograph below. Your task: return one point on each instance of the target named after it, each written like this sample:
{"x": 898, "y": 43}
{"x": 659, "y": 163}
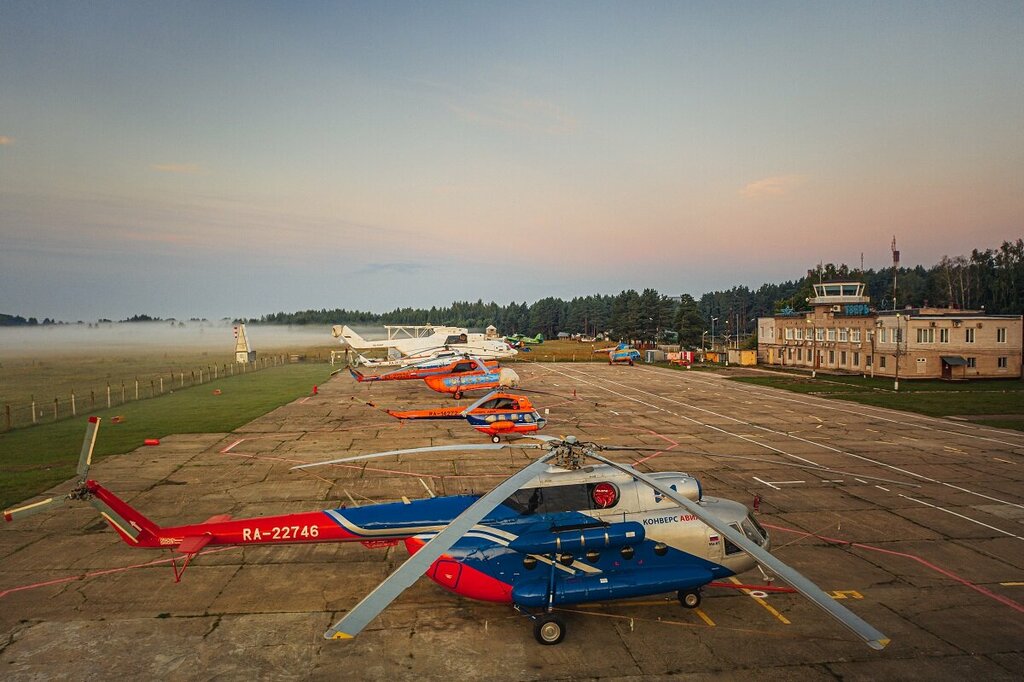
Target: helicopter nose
{"x": 541, "y": 421}
{"x": 508, "y": 378}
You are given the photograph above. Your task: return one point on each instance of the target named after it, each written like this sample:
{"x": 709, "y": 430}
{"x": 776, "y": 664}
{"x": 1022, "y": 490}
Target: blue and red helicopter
{"x": 571, "y": 527}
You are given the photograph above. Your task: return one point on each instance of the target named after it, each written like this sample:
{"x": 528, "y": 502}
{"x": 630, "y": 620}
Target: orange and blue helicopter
{"x": 496, "y": 414}
{"x": 621, "y": 354}
{"x": 469, "y": 374}
{"x": 571, "y": 527}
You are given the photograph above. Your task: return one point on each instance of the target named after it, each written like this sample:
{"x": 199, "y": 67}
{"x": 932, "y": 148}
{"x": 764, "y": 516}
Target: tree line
{"x": 991, "y": 280}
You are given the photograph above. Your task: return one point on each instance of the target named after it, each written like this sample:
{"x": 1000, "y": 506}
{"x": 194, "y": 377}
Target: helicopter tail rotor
{"x": 84, "y": 462}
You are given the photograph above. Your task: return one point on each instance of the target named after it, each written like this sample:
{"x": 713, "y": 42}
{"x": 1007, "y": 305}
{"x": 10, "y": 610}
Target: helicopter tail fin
{"x": 134, "y": 528}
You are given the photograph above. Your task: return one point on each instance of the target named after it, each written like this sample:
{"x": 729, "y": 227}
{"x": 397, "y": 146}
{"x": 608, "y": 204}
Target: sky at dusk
{"x": 214, "y": 159}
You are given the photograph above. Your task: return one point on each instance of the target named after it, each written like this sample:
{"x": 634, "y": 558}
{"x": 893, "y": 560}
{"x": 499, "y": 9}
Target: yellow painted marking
{"x": 117, "y": 525}
{"x": 341, "y": 635}
{"x": 1012, "y": 584}
{"x": 762, "y": 602}
{"x": 843, "y": 594}
{"x": 704, "y": 617}
{"x": 957, "y": 450}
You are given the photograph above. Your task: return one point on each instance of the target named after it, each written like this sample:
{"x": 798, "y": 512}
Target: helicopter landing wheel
{"x": 495, "y": 439}
{"x": 689, "y": 598}
{"x": 549, "y": 630}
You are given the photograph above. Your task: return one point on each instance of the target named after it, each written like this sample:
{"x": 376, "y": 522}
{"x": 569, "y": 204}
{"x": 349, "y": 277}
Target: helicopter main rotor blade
{"x": 88, "y": 444}
{"x": 874, "y": 638}
{"x": 389, "y": 590}
{"x": 34, "y": 508}
{"x": 432, "y": 448}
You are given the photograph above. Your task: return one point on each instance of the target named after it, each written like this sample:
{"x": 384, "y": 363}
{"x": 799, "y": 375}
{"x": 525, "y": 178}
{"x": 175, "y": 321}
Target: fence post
{"x": 161, "y": 385}
{"x": 122, "y": 392}
{"x": 152, "y": 388}
{"x": 74, "y": 412}
{"x": 108, "y": 395}
{"x": 192, "y": 380}
{"x": 55, "y": 409}
{"x": 215, "y": 372}
{"x": 136, "y": 388}
{"x": 7, "y": 411}
{"x": 92, "y": 398}
{"x": 183, "y": 380}
{"x": 200, "y": 375}
{"x": 33, "y": 409}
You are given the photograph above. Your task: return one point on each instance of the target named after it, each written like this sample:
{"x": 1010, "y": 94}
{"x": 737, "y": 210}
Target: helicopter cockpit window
{"x": 454, "y": 339}
{"x": 464, "y": 367}
{"x": 554, "y": 499}
{"x": 489, "y": 404}
{"x": 753, "y": 530}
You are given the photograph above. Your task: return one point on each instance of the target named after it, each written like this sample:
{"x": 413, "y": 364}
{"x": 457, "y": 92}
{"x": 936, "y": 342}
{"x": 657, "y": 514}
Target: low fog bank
{"x": 122, "y": 336}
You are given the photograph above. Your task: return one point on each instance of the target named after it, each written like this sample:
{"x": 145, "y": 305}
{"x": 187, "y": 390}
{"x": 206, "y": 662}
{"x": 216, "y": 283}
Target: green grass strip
{"x": 35, "y": 459}
{"x": 994, "y": 398}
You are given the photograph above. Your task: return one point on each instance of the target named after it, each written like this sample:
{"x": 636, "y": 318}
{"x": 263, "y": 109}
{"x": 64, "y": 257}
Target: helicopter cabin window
{"x": 562, "y": 498}
{"x": 464, "y": 367}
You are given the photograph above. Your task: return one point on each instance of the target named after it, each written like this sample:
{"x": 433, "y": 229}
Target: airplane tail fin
{"x": 134, "y": 528}
{"x": 350, "y": 339}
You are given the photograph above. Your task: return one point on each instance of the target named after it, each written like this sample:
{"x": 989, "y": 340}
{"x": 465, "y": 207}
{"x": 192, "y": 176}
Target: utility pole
{"x": 895, "y": 267}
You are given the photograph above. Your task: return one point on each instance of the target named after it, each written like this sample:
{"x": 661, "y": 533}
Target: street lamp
{"x": 713, "y": 332}
{"x": 899, "y": 337}
{"x": 702, "y": 335}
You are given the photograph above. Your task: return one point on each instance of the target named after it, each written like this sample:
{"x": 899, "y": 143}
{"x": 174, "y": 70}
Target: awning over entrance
{"x": 953, "y": 360}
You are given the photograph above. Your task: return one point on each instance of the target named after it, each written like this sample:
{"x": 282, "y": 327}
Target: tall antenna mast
{"x": 895, "y": 267}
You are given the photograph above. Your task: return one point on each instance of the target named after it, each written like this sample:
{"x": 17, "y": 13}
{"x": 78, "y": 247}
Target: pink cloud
{"x": 774, "y": 186}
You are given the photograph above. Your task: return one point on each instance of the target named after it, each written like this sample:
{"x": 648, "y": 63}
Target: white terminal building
{"x": 842, "y": 333}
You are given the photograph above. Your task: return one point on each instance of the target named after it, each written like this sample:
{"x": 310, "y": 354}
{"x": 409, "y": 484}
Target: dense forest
{"x": 991, "y": 280}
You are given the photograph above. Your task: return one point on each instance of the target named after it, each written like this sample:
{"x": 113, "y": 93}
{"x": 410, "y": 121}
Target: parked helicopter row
{"x": 571, "y": 527}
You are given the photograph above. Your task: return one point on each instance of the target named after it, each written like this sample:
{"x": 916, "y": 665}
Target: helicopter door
{"x": 447, "y": 573}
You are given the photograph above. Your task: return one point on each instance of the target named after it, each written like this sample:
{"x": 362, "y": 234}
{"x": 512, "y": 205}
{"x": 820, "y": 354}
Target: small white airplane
{"x": 410, "y": 344}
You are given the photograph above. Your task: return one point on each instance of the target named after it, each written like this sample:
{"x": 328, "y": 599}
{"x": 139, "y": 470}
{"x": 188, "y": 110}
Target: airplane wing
{"x": 385, "y": 593}
{"x": 874, "y": 638}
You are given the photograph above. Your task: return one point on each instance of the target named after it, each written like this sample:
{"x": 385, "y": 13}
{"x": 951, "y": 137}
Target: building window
{"x": 943, "y": 336}
{"x": 790, "y": 353}
{"x": 1001, "y": 363}
{"x": 881, "y": 362}
{"x": 1001, "y": 335}
{"x": 789, "y": 332}
{"x": 799, "y": 353}
{"x": 842, "y": 357}
{"x": 856, "y": 359}
{"x": 926, "y": 335}
{"x": 831, "y": 357}
{"x": 855, "y": 336}
{"x": 972, "y": 362}
{"x": 831, "y": 334}
{"x": 883, "y": 335}
{"x": 844, "y": 334}
{"x": 819, "y": 334}
{"x": 799, "y": 334}
{"x": 969, "y": 335}
{"x": 868, "y": 360}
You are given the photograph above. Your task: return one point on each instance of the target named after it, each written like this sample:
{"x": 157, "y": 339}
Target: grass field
{"x": 34, "y": 459}
{"x": 996, "y": 402}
